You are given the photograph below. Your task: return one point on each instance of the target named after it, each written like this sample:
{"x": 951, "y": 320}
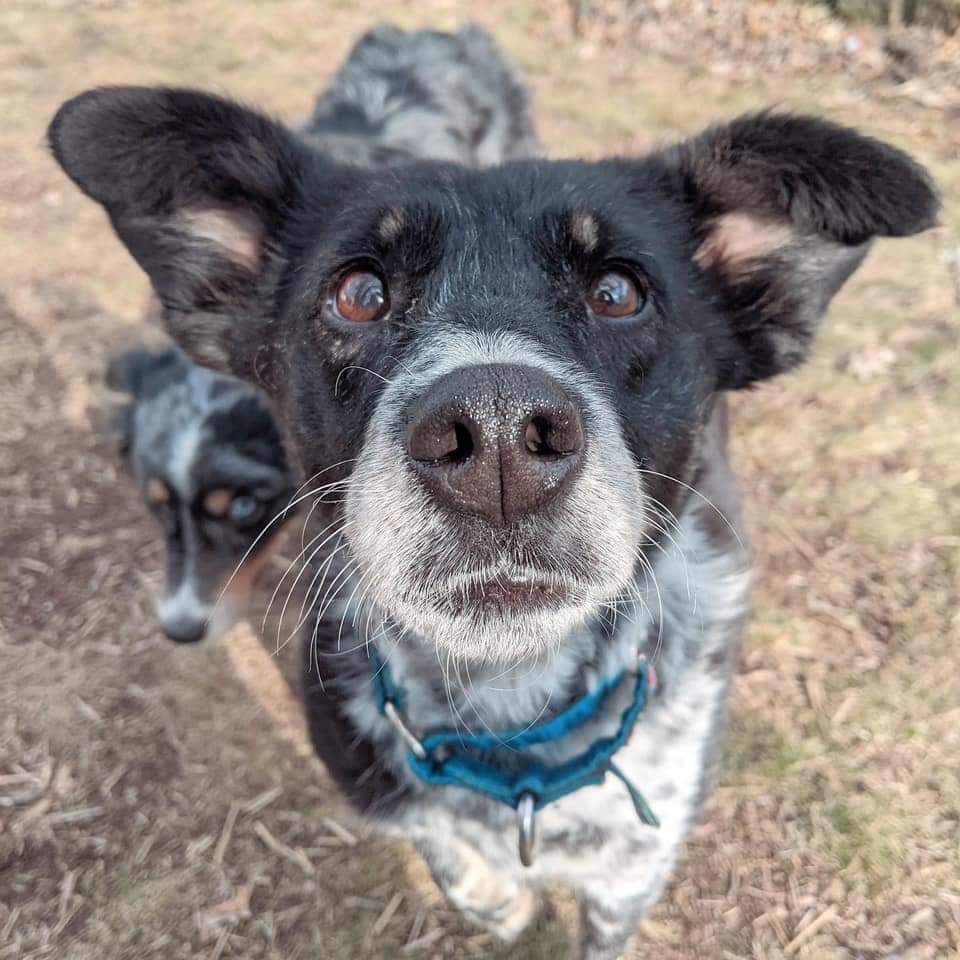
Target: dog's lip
{"x": 505, "y": 593}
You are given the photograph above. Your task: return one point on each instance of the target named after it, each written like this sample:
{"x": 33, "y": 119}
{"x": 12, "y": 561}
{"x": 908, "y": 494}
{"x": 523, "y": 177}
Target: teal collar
{"x": 458, "y": 759}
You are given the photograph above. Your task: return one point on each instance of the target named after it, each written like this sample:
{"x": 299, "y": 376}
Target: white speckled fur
{"x": 594, "y": 835}
{"x": 688, "y": 625}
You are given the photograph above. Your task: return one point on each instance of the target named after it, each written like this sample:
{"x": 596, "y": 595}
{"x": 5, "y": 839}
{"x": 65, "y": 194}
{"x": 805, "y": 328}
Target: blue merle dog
{"x": 517, "y": 376}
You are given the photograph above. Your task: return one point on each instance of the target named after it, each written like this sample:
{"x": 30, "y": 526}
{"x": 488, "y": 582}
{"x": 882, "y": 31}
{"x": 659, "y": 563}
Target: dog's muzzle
{"x": 493, "y": 507}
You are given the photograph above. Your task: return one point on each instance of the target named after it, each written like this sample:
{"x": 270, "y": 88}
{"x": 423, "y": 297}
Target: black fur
{"x": 735, "y": 241}
{"x": 148, "y": 155}
{"x": 832, "y": 186}
{"x": 440, "y": 96}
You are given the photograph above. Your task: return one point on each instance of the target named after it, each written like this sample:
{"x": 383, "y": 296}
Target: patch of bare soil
{"x": 149, "y": 804}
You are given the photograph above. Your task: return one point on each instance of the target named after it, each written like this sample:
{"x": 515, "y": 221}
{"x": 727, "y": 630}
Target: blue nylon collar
{"x": 449, "y": 757}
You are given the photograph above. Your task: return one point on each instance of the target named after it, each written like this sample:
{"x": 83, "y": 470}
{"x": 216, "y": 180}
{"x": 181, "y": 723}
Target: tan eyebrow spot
{"x": 157, "y": 491}
{"x": 585, "y": 230}
{"x": 217, "y": 502}
{"x": 737, "y": 238}
{"x": 390, "y": 226}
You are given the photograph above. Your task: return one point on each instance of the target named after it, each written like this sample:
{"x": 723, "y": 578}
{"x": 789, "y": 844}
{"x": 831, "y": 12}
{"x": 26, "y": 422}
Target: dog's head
{"x": 514, "y": 366}
{"x": 209, "y": 460}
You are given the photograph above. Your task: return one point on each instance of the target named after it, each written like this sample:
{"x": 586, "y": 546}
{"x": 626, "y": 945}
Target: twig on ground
{"x": 220, "y": 851}
{"x": 809, "y": 930}
{"x": 281, "y": 849}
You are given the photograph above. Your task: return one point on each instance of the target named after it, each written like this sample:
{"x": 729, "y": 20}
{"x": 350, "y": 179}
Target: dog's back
{"x": 428, "y": 95}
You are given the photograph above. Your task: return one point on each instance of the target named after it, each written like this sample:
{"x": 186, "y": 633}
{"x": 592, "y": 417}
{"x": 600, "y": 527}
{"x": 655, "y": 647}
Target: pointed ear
{"x": 785, "y": 208}
{"x": 195, "y": 186}
{"x": 126, "y": 371}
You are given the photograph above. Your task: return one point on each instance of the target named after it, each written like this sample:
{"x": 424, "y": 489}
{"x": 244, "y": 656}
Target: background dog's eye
{"x": 361, "y": 297}
{"x": 244, "y": 509}
{"x": 615, "y": 294}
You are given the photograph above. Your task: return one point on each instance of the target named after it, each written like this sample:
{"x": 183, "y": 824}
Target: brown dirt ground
{"x": 149, "y": 805}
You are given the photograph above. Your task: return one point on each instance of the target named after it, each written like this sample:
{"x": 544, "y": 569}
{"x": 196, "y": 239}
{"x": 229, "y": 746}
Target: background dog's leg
{"x": 495, "y": 900}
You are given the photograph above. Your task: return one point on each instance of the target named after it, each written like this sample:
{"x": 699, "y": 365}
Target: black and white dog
{"x": 516, "y": 375}
{"x": 203, "y": 446}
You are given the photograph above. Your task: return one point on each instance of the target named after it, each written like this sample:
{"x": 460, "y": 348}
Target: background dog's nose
{"x": 182, "y": 617}
{"x": 184, "y": 629}
{"x": 501, "y": 441}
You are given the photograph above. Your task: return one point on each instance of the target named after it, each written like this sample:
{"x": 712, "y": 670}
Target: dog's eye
{"x": 244, "y": 509}
{"x": 361, "y": 297}
{"x": 615, "y": 294}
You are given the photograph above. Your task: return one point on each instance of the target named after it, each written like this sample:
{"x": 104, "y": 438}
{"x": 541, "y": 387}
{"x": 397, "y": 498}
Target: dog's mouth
{"x": 502, "y": 594}
{"x": 499, "y": 613}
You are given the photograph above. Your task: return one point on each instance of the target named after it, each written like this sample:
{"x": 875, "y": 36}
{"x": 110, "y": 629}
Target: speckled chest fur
{"x": 687, "y": 619}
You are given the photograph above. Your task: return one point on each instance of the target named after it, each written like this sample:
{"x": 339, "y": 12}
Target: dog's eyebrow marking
{"x": 585, "y": 230}
{"x": 217, "y": 502}
{"x": 239, "y": 234}
{"x": 392, "y": 224}
{"x": 737, "y": 238}
{"x": 157, "y": 491}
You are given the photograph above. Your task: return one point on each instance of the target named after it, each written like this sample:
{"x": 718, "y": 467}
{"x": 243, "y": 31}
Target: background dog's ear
{"x": 195, "y": 187}
{"x": 126, "y": 371}
{"x": 785, "y": 208}
{"x": 129, "y": 373}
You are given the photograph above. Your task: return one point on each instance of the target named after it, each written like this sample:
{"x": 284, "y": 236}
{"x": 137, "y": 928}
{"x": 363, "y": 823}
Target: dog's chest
{"x": 596, "y": 830}
{"x": 669, "y": 756}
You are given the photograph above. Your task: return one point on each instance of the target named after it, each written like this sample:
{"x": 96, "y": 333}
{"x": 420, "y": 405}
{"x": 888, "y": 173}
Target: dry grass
{"x": 148, "y": 807}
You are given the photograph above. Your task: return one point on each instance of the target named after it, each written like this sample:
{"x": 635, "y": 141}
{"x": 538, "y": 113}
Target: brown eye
{"x": 361, "y": 297}
{"x": 615, "y": 294}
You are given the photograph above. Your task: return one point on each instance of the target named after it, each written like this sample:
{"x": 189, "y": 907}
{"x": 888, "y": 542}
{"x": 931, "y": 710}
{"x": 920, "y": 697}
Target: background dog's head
{"x": 209, "y": 460}
{"x": 513, "y": 366}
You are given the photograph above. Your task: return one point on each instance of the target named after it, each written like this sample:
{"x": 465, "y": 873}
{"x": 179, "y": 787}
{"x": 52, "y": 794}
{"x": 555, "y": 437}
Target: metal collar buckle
{"x": 527, "y": 829}
{"x": 408, "y": 736}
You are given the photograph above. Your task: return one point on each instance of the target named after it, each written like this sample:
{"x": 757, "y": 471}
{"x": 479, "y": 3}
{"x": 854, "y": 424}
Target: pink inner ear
{"x": 736, "y": 239}
{"x": 239, "y": 234}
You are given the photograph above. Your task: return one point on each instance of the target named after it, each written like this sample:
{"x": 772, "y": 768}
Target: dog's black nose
{"x": 185, "y": 629}
{"x": 500, "y": 441}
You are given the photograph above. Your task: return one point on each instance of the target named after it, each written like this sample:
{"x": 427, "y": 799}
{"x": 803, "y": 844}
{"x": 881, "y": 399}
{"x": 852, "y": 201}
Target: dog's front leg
{"x": 610, "y": 921}
{"x": 493, "y": 899}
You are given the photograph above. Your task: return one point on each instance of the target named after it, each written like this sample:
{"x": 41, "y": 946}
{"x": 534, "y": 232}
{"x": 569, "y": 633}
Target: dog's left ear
{"x": 196, "y": 187}
{"x": 785, "y": 208}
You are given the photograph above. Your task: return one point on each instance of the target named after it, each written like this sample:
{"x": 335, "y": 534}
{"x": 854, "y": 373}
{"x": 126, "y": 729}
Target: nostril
{"x": 461, "y": 444}
{"x": 185, "y": 630}
{"x": 498, "y": 441}
{"x": 549, "y": 439}
{"x": 446, "y": 445}
{"x": 449, "y": 442}
{"x": 535, "y": 438}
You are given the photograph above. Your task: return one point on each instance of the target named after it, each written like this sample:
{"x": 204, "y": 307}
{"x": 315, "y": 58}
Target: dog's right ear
{"x": 195, "y": 186}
